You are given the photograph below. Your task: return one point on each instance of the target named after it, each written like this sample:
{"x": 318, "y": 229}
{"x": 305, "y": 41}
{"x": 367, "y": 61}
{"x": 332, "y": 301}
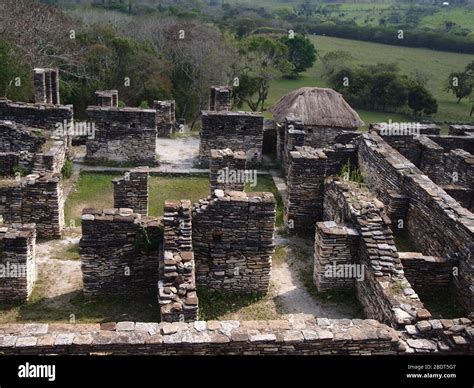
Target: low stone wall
{"x": 233, "y": 240}
{"x": 122, "y": 135}
{"x": 17, "y": 261}
{"x": 43, "y": 116}
{"x": 177, "y": 285}
{"x": 335, "y": 251}
{"x": 282, "y": 337}
{"x": 453, "y": 336}
{"x": 436, "y": 223}
{"x": 429, "y": 274}
{"x": 460, "y": 129}
{"x": 132, "y": 191}
{"x": 242, "y": 130}
{"x": 449, "y": 143}
{"x": 227, "y": 170}
{"x": 119, "y": 252}
{"x": 307, "y": 169}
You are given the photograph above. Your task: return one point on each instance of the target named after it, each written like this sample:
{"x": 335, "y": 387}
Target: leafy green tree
{"x": 460, "y": 84}
{"x": 262, "y": 59}
{"x": 421, "y": 101}
{"x": 15, "y": 77}
{"x": 301, "y": 52}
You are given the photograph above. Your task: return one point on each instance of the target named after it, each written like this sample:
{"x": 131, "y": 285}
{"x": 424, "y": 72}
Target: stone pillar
{"x": 17, "y": 258}
{"x": 294, "y": 137}
{"x": 39, "y": 81}
{"x": 335, "y": 256}
{"x": 48, "y": 83}
{"x": 227, "y": 170}
{"x": 177, "y": 283}
{"x": 220, "y": 98}
{"x": 165, "y": 117}
{"x": 132, "y": 191}
{"x": 55, "y": 98}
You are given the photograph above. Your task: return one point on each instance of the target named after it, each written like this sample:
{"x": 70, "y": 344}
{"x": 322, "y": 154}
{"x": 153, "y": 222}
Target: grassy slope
{"x": 434, "y": 64}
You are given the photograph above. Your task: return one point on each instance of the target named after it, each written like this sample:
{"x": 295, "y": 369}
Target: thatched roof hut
{"x": 318, "y": 107}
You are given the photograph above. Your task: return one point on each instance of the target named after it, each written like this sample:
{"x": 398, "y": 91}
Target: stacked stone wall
{"x": 132, "y": 191}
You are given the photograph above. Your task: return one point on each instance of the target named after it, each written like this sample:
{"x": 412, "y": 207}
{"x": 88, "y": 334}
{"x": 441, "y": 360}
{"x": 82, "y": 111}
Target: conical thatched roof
{"x": 321, "y": 107}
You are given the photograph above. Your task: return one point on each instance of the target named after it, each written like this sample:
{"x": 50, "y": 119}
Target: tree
{"x": 301, "y": 52}
{"x": 261, "y": 60}
{"x": 460, "y": 84}
{"x": 421, "y": 101}
{"x": 15, "y": 77}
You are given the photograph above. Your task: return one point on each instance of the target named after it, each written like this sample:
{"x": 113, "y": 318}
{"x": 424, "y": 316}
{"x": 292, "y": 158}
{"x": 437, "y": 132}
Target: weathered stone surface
{"x": 242, "y": 130}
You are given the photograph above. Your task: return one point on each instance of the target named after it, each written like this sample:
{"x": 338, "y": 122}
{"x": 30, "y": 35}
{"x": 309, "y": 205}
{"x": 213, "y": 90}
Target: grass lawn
{"x": 83, "y": 310}
{"x": 96, "y": 190}
{"x": 436, "y": 65}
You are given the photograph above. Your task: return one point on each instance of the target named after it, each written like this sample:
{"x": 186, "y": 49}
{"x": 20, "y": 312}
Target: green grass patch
{"x": 162, "y": 188}
{"x": 95, "y": 190}
{"x": 92, "y": 190}
{"x": 82, "y": 309}
{"x": 69, "y": 252}
{"x": 221, "y": 305}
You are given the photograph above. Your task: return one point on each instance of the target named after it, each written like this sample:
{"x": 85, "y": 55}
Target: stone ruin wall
{"x": 307, "y": 170}
{"x": 308, "y": 135}
{"x": 452, "y": 169}
{"x": 42, "y": 116}
{"x": 122, "y": 135}
{"x": 46, "y": 83}
{"x": 384, "y": 291}
{"x": 119, "y": 252}
{"x": 224, "y": 166}
{"x": 37, "y": 198}
{"x": 309, "y": 336}
{"x": 244, "y": 130}
{"x": 233, "y": 240}
{"x": 17, "y": 261}
{"x": 177, "y": 295}
{"x": 131, "y": 191}
{"x": 334, "y": 245}
{"x": 29, "y": 150}
{"x": 106, "y": 98}
{"x": 436, "y": 223}
{"x": 430, "y": 274}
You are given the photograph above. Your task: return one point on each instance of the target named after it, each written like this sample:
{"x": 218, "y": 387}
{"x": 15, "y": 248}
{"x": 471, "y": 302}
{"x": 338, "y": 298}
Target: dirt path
{"x": 59, "y": 279}
{"x": 294, "y": 298}
{"x": 180, "y": 152}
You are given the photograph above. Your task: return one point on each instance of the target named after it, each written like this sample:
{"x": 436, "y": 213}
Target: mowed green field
{"x": 435, "y": 65}
{"x": 464, "y": 17}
